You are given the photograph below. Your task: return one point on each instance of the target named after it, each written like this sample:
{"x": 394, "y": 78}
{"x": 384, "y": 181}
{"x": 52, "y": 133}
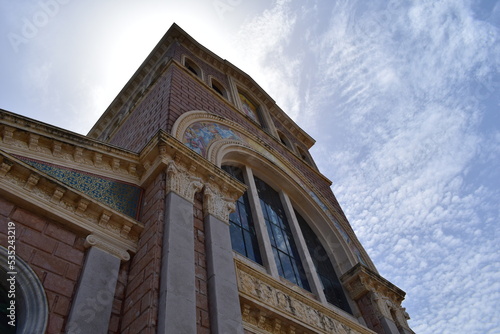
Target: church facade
{"x": 191, "y": 206}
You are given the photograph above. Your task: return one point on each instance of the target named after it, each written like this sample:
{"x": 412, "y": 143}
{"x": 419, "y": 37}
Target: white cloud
{"x": 406, "y": 140}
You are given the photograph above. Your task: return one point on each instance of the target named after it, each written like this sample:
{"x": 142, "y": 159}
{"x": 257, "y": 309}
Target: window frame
{"x": 192, "y": 67}
{"x": 221, "y": 90}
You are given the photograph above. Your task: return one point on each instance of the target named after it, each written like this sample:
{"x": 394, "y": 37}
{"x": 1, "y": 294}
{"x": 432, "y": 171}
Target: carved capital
{"x": 182, "y": 181}
{"x": 107, "y": 246}
{"x": 218, "y": 203}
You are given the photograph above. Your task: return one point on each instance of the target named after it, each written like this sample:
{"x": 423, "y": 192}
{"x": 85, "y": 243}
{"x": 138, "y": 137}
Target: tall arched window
{"x": 331, "y": 284}
{"x": 243, "y": 237}
{"x": 284, "y": 248}
{"x": 278, "y": 237}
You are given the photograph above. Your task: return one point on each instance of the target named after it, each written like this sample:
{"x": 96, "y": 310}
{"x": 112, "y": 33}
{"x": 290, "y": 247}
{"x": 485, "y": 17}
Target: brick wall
{"x": 202, "y": 311}
{"x": 179, "y": 91}
{"x": 140, "y": 306}
{"x": 54, "y": 253}
{"x": 147, "y": 117}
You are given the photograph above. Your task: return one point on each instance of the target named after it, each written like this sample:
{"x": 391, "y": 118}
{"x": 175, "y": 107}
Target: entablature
{"x": 25, "y": 137}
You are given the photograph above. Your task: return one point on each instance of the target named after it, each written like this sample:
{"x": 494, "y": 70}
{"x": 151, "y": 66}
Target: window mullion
{"x": 307, "y": 263}
{"x": 260, "y": 224}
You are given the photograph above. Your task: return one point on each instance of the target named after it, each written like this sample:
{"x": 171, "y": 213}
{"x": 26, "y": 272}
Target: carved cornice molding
{"x": 359, "y": 280}
{"x": 22, "y": 136}
{"x": 384, "y": 296}
{"x": 270, "y": 301}
{"x": 23, "y": 183}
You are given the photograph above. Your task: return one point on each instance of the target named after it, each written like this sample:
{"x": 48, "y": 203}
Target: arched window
{"x": 243, "y": 237}
{"x": 218, "y": 87}
{"x": 305, "y": 156}
{"x": 285, "y": 251}
{"x": 268, "y": 230}
{"x": 331, "y": 283}
{"x": 193, "y": 67}
{"x": 284, "y": 140}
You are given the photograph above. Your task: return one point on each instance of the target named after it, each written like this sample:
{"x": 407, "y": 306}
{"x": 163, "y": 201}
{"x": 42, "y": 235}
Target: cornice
{"x": 32, "y": 139}
{"x": 360, "y": 280}
{"x": 42, "y": 193}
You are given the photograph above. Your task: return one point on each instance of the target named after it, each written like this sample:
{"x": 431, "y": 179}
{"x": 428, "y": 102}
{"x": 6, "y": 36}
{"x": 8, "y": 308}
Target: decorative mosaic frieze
{"x": 51, "y": 197}
{"x": 120, "y": 196}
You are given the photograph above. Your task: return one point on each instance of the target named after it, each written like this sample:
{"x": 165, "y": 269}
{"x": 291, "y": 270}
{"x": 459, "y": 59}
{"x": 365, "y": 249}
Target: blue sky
{"x": 402, "y": 97}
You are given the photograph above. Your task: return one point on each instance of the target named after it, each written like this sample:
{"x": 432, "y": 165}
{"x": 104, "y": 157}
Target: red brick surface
{"x": 140, "y": 303}
{"x": 54, "y": 253}
{"x": 369, "y": 313}
{"x": 202, "y": 312}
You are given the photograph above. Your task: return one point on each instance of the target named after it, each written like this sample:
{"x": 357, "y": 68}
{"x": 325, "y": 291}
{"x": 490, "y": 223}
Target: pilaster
{"x": 225, "y": 316}
{"x": 93, "y": 301}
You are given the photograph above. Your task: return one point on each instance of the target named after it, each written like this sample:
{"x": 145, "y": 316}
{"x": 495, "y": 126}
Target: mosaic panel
{"x": 121, "y": 196}
{"x": 198, "y": 136}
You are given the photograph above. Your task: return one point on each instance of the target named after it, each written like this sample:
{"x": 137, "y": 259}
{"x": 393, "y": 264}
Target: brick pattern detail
{"x": 369, "y": 314}
{"x": 140, "y": 305}
{"x": 54, "y": 253}
{"x": 116, "y": 312}
{"x": 202, "y": 311}
{"x": 148, "y": 115}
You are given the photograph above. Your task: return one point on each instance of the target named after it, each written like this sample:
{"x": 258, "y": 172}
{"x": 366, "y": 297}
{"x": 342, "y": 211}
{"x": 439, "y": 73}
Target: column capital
{"x": 219, "y": 201}
{"x": 107, "y": 246}
{"x": 183, "y": 180}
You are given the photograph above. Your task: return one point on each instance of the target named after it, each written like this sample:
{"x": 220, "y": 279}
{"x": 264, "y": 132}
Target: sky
{"x": 402, "y": 98}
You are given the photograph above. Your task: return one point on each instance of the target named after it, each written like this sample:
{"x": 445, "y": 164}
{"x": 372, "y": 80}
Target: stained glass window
{"x": 243, "y": 237}
{"x": 284, "y": 248}
{"x": 331, "y": 284}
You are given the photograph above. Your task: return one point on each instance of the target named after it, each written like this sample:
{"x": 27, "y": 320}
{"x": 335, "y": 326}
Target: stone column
{"x": 225, "y": 315}
{"x": 177, "y": 304}
{"x": 91, "y": 308}
{"x": 378, "y": 300}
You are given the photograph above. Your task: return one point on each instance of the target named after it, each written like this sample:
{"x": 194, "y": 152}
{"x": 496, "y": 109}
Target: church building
{"x": 191, "y": 206}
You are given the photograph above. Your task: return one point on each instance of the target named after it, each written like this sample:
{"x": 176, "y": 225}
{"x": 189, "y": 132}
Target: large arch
{"x": 31, "y": 307}
{"x": 220, "y": 140}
